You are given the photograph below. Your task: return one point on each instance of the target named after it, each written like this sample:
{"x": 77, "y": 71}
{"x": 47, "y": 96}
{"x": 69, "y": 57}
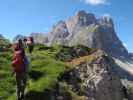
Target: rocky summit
{"x": 85, "y": 29}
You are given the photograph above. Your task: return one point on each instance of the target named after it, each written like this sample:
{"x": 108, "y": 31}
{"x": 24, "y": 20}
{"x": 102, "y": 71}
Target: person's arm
{"x": 14, "y": 60}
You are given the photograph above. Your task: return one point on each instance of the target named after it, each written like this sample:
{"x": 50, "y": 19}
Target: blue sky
{"x": 27, "y": 16}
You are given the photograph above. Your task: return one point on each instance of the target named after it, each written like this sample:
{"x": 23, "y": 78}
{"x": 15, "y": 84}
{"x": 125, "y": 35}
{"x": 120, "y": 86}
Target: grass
{"x": 66, "y": 89}
{"x": 6, "y": 80}
{"x": 44, "y": 70}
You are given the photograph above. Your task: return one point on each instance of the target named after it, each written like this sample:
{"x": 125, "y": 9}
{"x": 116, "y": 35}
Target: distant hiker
{"x": 30, "y": 44}
{"x": 20, "y": 42}
{"x": 24, "y": 41}
{"x": 19, "y": 69}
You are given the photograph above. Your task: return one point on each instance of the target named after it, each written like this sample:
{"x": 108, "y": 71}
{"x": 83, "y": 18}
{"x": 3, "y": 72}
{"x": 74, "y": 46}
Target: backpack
{"x": 26, "y": 61}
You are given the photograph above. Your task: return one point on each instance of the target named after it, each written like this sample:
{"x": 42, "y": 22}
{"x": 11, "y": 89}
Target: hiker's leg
{"x": 24, "y": 80}
{"x": 18, "y": 87}
{"x": 30, "y": 48}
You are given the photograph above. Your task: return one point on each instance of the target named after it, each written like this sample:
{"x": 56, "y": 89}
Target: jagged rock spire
{"x": 107, "y": 21}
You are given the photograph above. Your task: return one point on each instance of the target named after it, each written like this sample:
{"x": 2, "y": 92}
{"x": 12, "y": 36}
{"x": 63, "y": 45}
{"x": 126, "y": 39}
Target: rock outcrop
{"x": 99, "y": 80}
{"x": 94, "y": 76}
{"x": 131, "y": 55}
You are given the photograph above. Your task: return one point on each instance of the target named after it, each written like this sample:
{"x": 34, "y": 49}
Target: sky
{"x": 27, "y": 16}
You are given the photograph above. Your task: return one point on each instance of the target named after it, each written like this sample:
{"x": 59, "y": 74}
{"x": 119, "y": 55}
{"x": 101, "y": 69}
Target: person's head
{"x": 24, "y": 39}
{"x": 30, "y": 38}
{"x": 15, "y": 46}
{"x": 20, "y": 42}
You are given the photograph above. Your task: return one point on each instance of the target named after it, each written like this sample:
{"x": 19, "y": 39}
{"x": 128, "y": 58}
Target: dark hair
{"x": 24, "y": 39}
{"x": 16, "y": 46}
{"x": 20, "y": 42}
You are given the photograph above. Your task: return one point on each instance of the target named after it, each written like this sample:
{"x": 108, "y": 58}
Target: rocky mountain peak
{"x": 81, "y": 13}
{"x": 59, "y": 33}
{"x": 107, "y": 21}
{"x": 1, "y": 36}
{"x": 79, "y": 20}
{"x": 85, "y": 17}
{"x": 61, "y": 23}
{"x": 83, "y": 28}
{"x": 61, "y": 29}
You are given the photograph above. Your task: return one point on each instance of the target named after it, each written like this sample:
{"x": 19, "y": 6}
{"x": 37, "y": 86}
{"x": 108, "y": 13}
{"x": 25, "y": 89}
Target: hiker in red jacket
{"x": 19, "y": 69}
{"x": 30, "y": 44}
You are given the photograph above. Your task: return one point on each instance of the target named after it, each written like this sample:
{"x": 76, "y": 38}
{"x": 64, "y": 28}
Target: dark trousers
{"x": 21, "y": 85}
{"x": 30, "y": 47}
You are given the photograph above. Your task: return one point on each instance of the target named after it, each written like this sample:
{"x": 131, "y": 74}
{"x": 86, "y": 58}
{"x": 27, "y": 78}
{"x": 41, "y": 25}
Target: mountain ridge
{"x": 100, "y": 34}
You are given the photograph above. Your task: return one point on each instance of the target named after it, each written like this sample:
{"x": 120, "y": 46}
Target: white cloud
{"x": 96, "y": 2}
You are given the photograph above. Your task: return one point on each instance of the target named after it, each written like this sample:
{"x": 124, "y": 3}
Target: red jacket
{"x": 18, "y": 61}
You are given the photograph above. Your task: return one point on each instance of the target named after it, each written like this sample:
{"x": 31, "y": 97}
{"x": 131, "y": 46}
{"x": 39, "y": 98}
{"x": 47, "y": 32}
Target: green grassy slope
{"x": 47, "y": 64}
{"x": 43, "y": 72}
{"x": 6, "y": 80}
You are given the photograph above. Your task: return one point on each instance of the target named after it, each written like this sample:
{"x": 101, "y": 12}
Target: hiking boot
{"x": 22, "y": 97}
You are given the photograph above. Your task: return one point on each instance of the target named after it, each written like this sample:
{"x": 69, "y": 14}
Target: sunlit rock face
{"x": 58, "y": 34}
{"x": 97, "y": 76}
{"x": 79, "y": 20}
{"x": 84, "y": 28}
